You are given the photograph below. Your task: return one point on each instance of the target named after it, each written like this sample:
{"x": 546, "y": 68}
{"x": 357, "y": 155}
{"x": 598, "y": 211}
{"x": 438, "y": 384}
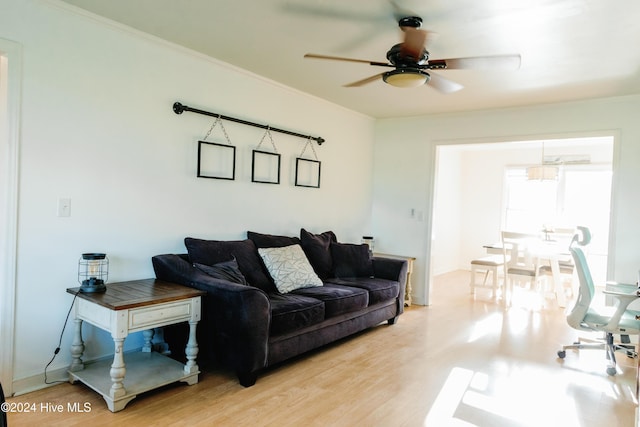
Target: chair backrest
{"x": 587, "y": 288}
{"x": 515, "y": 248}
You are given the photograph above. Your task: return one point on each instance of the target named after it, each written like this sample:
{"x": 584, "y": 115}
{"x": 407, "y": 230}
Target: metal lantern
{"x": 93, "y": 271}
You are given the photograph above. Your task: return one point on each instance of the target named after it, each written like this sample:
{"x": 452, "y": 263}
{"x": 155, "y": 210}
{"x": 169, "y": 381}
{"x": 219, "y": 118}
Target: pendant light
{"x": 542, "y": 172}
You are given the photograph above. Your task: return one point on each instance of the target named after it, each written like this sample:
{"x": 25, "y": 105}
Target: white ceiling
{"x": 571, "y": 49}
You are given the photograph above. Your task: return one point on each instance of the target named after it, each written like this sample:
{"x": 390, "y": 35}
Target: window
{"x": 580, "y": 196}
{"x": 529, "y": 204}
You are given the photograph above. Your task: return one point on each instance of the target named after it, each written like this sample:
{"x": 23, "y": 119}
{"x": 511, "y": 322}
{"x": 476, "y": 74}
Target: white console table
{"x": 410, "y": 260}
{"x": 139, "y": 305}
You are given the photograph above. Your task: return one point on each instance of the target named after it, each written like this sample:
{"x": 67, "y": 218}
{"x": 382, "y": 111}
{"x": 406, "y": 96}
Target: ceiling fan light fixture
{"x": 406, "y": 77}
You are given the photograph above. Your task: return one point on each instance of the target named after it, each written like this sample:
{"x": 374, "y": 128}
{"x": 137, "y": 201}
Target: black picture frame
{"x": 215, "y": 166}
{"x": 305, "y": 173}
{"x": 265, "y": 167}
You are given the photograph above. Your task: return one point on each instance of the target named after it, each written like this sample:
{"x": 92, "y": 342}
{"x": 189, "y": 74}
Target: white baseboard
{"x": 36, "y": 382}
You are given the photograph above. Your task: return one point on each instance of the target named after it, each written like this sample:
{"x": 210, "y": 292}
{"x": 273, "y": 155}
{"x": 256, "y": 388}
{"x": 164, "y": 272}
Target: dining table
{"x": 548, "y": 252}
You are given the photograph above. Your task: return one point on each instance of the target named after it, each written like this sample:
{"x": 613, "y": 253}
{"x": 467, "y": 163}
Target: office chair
{"x": 609, "y": 320}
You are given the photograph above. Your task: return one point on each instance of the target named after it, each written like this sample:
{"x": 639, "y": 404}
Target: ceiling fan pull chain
{"x": 268, "y": 132}
{"x": 224, "y": 131}
{"x": 309, "y": 144}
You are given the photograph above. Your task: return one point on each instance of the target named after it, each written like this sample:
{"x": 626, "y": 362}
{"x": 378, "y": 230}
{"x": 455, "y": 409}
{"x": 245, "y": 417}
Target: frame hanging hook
{"x": 268, "y": 132}
{"x": 224, "y": 131}
{"x": 309, "y": 144}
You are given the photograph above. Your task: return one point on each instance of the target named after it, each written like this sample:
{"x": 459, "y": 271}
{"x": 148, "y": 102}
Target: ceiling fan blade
{"x": 365, "y": 81}
{"x": 339, "y": 58}
{"x": 414, "y": 41}
{"x": 498, "y": 62}
{"x": 443, "y": 85}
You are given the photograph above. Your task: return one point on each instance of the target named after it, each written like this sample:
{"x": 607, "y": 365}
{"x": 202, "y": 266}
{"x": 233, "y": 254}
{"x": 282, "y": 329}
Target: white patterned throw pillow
{"x": 289, "y": 268}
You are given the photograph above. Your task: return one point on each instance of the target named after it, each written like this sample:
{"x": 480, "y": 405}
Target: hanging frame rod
{"x": 178, "y": 108}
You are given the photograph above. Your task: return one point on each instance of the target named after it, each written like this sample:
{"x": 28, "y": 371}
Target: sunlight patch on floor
{"x": 502, "y": 400}
{"x": 488, "y": 326}
{"x": 443, "y": 410}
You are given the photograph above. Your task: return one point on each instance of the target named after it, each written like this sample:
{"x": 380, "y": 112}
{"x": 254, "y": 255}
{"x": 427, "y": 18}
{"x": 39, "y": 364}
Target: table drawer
{"x": 159, "y": 315}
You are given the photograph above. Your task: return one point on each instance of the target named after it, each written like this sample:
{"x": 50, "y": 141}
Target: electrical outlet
{"x": 64, "y": 207}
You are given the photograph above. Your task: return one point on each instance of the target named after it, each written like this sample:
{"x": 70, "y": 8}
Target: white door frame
{"x": 10, "y": 101}
{"x": 614, "y": 134}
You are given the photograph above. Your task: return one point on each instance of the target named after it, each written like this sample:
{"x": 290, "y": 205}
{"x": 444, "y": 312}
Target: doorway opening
{"x": 482, "y": 188}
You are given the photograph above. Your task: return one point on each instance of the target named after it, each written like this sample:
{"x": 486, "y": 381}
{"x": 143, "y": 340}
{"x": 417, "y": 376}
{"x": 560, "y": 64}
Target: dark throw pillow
{"x": 271, "y": 241}
{"x": 211, "y": 252}
{"x": 350, "y": 260}
{"x": 316, "y": 248}
{"x": 227, "y": 270}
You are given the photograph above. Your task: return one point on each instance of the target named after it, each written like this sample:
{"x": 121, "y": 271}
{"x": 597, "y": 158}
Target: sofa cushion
{"x": 211, "y": 252}
{"x": 337, "y": 299}
{"x": 379, "y": 289}
{"x": 226, "y": 270}
{"x": 290, "y": 312}
{"x": 271, "y": 241}
{"x": 351, "y": 260}
{"x": 316, "y": 247}
{"x": 289, "y": 268}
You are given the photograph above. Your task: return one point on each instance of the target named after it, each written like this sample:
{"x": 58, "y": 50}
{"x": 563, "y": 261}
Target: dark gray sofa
{"x": 248, "y": 324}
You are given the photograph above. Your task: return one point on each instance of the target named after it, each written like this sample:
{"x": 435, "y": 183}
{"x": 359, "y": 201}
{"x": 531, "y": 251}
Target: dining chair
{"x": 562, "y": 238}
{"x": 521, "y": 265}
{"x": 491, "y": 264}
{"x": 567, "y": 270}
{"x": 585, "y": 316}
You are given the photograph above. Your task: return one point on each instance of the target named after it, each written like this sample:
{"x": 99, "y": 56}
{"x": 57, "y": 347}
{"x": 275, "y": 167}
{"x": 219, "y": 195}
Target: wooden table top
{"x": 138, "y": 293}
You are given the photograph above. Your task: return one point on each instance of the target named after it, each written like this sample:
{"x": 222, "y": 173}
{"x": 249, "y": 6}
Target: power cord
{"x": 57, "y": 350}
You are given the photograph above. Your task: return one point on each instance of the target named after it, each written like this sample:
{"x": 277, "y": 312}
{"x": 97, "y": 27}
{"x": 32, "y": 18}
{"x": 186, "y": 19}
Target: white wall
{"x": 448, "y": 210}
{"x": 98, "y": 128}
{"x": 411, "y": 142}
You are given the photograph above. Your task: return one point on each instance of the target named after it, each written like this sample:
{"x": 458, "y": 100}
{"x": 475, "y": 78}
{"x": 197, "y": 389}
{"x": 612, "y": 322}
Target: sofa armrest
{"x": 237, "y": 317}
{"x": 392, "y": 269}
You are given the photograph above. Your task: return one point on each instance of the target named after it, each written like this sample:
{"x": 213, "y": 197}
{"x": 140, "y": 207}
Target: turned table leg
{"x": 148, "y": 336}
{"x": 191, "y": 350}
{"x": 118, "y": 370}
{"x": 77, "y": 348}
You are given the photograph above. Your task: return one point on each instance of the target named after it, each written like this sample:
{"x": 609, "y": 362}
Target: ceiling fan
{"x": 411, "y": 64}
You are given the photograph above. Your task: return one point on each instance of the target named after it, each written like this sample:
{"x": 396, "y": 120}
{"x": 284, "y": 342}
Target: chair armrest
{"x": 623, "y": 300}
{"x": 634, "y": 294}
{"x": 625, "y": 288}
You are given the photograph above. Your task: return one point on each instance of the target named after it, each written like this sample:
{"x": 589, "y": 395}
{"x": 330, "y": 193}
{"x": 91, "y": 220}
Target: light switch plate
{"x": 64, "y": 207}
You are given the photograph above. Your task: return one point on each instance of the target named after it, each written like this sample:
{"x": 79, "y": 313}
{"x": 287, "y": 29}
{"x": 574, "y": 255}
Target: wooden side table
{"x": 410, "y": 260}
{"x": 138, "y": 305}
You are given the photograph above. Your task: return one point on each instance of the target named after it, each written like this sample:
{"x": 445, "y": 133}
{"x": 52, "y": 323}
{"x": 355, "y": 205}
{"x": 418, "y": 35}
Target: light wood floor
{"x": 459, "y": 362}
